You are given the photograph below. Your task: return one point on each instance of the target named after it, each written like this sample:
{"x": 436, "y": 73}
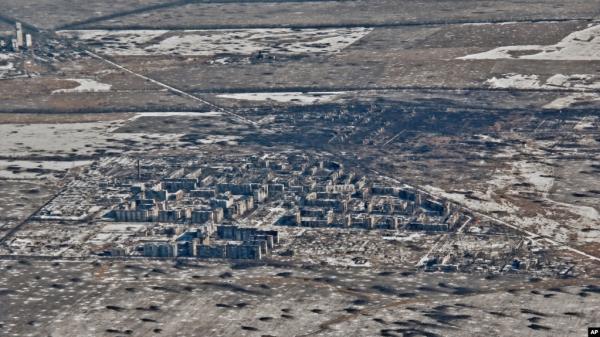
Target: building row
{"x": 231, "y": 242}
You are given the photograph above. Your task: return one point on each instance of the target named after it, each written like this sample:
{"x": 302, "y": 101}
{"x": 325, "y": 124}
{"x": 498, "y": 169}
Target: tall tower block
{"x": 19, "y": 35}
{"x": 28, "y": 41}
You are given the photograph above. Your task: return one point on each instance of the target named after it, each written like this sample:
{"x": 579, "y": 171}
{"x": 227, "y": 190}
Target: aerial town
{"x": 194, "y": 209}
{"x": 247, "y": 207}
{"x": 299, "y": 168}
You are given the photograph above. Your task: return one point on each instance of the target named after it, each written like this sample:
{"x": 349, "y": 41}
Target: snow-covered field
{"x": 222, "y": 41}
{"x": 25, "y": 140}
{"x": 583, "y": 45}
{"x": 287, "y": 97}
{"x": 578, "y": 82}
{"x": 85, "y": 85}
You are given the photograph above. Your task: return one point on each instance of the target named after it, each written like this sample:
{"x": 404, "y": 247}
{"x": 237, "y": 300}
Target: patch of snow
{"x": 583, "y": 45}
{"x": 85, "y": 85}
{"x": 586, "y": 123}
{"x": 538, "y": 175}
{"x": 59, "y": 217}
{"x": 410, "y": 237}
{"x": 508, "y": 23}
{"x": 574, "y": 81}
{"x": 477, "y": 24}
{"x": 167, "y": 114}
{"x": 516, "y": 81}
{"x": 579, "y": 82}
{"x": 222, "y": 60}
{"x": 287, "y": 97}
{"x": 506, "y": 153}
{"x": 124, "y": 227}
{"x": 212, "y": 139}
{"x": 8, "y": 66}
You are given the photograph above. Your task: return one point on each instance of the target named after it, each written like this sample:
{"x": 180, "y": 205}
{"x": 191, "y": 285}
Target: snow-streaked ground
{"x": 18, "y": 169}
{"x": 570, "y": 100}
{"x": 537, "y": 175}
{"x": 484, "y": 202}
{"x": 583, "y": 45}
{"x": 222, "y": 41}
{"x": 587, "y": 122}
{"x": 579, "y": 82}
{"x": 8, "y": 66}
{"x": 5, "y": 65}
{"x": 520, "y": 179}
{"x": 85, "y": 85}
{"x": 287, "y": 97}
